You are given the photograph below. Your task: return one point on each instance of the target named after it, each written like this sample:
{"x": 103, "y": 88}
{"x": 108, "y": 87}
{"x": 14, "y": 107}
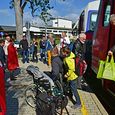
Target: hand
{"x": 65, "y": 75}
{"x": 84, "y": 61}
{"x": 110, "y": 52}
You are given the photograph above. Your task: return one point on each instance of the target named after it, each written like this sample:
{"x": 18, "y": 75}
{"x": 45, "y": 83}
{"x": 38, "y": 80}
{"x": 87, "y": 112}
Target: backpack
{"x": 80, "y": 66}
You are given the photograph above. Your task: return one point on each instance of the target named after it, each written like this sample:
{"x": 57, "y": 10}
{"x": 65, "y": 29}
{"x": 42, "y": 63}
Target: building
{"x": 62, "y": 23}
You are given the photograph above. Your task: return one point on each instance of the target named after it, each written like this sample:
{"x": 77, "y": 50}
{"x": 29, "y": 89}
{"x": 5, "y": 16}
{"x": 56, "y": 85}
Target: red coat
{"x": 2, "y": 92}
{"x": 12, "y": 59}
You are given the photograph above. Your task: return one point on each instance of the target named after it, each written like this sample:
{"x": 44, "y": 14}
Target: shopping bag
{"x": 109, "y": 70}
{"x": 101, "y": 69}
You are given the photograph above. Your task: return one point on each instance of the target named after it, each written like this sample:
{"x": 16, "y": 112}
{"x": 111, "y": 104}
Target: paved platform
{"x": 16, "y": 104}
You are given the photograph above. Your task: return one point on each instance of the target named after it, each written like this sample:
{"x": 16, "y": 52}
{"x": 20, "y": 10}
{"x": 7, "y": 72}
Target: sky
{"x": 70, "y": 9}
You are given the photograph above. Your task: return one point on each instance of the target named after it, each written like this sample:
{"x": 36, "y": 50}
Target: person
{"x": 49, "y": 46}
{"x": 31, "y": 49}
{"x": 2, "y": 53}
{"x": 70, "y": 74}
{"x": 5, "y": 47}
{"x": 12, "y": 58}
{"x": 112, "y": 20}
{"x": 42, "y": 45}
{"x": 79, "y": 51}
{"x": 25, "y": 53}
{"x": 64, "y": 40}
{"x": 111, "y": 51}
{"x": 2, "y": 90}
{"x": 56, "y": 65}
{"x": 35, "y": 44}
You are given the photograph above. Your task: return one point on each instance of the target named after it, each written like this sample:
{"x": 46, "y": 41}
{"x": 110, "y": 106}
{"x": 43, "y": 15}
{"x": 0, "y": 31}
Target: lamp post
{"x": 27, "y": 24}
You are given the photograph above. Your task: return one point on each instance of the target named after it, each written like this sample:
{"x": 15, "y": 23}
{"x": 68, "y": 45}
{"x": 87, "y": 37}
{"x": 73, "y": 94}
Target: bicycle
{"x": 43, "y": 94}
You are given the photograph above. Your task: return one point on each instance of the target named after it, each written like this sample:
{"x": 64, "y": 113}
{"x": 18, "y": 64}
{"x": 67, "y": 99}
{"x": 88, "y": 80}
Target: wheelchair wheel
{"x": 30, "y": 94}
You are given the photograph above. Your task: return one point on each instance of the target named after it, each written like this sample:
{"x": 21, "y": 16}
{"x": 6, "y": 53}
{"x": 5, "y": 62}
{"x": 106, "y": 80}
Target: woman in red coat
{"x": 12, "y": 58}
{"x": 2, "y": 91}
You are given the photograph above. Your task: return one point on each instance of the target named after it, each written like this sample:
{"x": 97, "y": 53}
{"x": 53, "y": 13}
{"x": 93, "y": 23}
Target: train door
{"x": 111, "y": 84}
{"x": 101, "y": 35}
{"x": 81, "y": 23}
{"x": 103, "y": 38}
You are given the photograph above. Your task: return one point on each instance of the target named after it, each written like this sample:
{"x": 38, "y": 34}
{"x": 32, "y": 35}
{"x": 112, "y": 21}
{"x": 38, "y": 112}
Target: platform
{"x": 16, "y": 104}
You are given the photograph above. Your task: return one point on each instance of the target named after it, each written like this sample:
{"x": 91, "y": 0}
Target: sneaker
{"x": 76, "y": 106}
{"x": 84, "y": 84}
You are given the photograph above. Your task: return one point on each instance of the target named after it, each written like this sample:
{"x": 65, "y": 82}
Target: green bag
{"x": 101, "y": 69}
{"x": 109, "y": 70}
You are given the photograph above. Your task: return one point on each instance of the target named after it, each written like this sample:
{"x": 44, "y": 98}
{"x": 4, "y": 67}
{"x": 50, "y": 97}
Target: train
{"x": 87, "y": 19}
{"x": 95, "y": 22}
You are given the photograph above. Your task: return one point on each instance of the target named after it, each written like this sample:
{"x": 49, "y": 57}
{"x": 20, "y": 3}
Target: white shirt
{"x": 64, "y": 41}
{"x": 6, "y": 47}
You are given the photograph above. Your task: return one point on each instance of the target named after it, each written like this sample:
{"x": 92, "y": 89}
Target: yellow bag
{"x": 101, "y": 69}
{"x": 109, "y": 69}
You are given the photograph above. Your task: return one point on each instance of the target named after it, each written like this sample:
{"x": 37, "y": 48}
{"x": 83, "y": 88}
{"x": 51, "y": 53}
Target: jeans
{"x": 79, "y": 86}
{"x": 73, "y": 86}
{"x": 25, "y": 56}
{"x": 34, "y": 56}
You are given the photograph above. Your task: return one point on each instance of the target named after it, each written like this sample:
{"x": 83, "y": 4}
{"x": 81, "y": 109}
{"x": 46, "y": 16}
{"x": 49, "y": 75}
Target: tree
{"x": 37, "y": 7}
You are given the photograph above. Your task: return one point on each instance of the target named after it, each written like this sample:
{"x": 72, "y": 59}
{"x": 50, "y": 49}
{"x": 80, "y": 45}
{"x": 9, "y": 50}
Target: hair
{"x": 65, "y": 50}
{"x": 1, "y": 41}
{"x": 82, "y": 35}
{"x": 54, "y": 51}
{"x": 112, "y": 17}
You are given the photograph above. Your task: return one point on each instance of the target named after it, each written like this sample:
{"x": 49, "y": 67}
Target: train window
{"x": 107, "y": 15}
{"x": 93, "y": 21}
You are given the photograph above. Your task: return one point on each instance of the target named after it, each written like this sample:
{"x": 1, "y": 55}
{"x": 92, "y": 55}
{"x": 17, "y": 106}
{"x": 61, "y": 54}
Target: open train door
{"x": 103, "y": 39}
{"x": 111, "y": 84}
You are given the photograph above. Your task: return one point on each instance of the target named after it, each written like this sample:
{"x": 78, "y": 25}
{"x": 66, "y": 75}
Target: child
{"x": 69, "y": 63}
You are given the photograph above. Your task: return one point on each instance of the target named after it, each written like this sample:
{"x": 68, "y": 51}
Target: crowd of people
{"x": 59, "y": 56}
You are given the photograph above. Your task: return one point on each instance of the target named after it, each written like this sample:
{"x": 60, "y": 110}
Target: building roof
{"x": 62, "y": 19}
{"x": 7, "y": 28}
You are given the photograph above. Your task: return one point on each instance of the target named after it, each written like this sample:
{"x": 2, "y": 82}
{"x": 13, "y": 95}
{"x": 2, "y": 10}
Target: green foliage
{"x": 38, "y": 7}
{"x": 11, "y": 4}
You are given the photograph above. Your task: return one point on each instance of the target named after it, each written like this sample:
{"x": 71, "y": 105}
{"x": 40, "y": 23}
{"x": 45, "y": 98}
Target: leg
{"x": 12, "y": 75}
{"x": 79, "y": 82}
{"x": 73, "y": 85}
{"x": 49, "y": 57}
{"x": 36, "y": 56}
{"x": 23, "y": 56}
{"x": 27, "y": 56}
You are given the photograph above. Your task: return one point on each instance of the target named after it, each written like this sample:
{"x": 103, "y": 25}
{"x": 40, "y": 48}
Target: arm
{"x": 111, "y": 51}
{"x": 55, "y": 70}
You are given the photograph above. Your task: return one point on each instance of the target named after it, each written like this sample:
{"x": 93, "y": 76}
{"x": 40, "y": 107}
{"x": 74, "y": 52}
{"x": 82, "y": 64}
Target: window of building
{"x": 49, "y": 30}
{"x": 56, "y": 22}
{"x": 54, "y": 31}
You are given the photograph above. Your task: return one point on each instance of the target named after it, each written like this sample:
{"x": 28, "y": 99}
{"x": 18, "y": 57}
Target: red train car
{"x": 104, "y": 39}
{"x": 2, "y": 93}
